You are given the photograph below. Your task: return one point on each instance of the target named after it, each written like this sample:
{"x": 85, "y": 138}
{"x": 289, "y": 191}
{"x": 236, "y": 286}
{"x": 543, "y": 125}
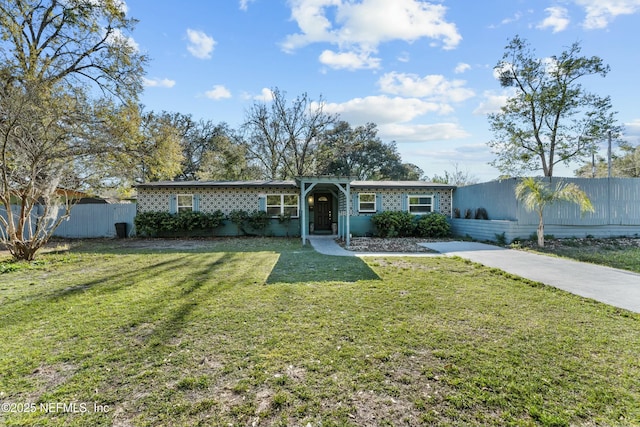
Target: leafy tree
{"x": 550, "y": 118}
{"x": 456, "y": 177}
{"x": 624, "y": 164}
{"x": 283, "y": 138}
{"x": 152, "y": 152}
{"x": 204, "y": 146}
{"x": 361, "y": 153}
{"x": 57, "y": 57}
{"x": 536, "y": 195}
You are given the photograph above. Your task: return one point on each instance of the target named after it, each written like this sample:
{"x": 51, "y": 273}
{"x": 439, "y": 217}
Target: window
{"x": 280, "y": 204}
{"x": 419, "y": 205}
{"x": 185, "y": 202}
{"x": 366, "y": 202}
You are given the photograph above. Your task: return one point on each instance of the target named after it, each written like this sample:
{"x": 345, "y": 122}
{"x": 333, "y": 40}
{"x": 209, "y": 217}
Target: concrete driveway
{"x": 611, "y": 286}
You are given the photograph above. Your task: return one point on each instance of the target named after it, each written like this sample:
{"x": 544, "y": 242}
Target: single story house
{"x": 316, "y": 205}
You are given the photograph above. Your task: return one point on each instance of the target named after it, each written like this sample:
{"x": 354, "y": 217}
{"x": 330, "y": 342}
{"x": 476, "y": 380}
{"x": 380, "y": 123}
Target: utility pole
{"x": 609, "y": 157}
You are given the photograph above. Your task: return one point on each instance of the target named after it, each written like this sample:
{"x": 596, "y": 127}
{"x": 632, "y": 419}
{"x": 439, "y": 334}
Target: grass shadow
{"x": 296, "y": 263}
{"x": 307, "y": 265}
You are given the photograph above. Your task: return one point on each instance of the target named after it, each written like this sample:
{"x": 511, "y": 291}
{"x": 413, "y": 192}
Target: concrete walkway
{"x": 618, "y": 288}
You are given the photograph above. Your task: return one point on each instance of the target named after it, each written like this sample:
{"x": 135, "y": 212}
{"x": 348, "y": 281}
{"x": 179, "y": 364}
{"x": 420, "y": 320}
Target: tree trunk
{"x": 541, "y": 233}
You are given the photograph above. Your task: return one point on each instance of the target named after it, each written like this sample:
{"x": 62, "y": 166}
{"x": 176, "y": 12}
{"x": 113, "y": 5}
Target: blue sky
{"x": 421, "y": 70}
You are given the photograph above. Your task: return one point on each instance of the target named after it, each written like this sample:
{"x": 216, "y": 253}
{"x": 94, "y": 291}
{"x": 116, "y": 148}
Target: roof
{"x": 212, "y": 184}
{"x": 295, "y": 184}
{"x": 400, "y": 184}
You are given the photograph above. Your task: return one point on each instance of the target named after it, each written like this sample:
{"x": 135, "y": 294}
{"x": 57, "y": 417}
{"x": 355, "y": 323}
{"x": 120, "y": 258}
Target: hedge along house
{"x": 316, "y": 205}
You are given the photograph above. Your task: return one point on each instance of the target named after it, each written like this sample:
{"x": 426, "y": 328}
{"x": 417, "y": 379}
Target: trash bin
{"x": 121, "y": 230}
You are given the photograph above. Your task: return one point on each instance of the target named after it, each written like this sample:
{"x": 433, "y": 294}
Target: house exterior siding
{"x": 224, "y": 199}
{"x": 250, "y": 196}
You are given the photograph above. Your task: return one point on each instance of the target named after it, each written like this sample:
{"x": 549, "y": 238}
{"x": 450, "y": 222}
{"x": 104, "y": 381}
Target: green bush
{"x": 248, "y": 223}
{"x": 433, "y": 224}
{"x": 258, "y": 220}
{"x": 394, "y": 224}
{"x": 403, "y": 224}
{"x": 155, "y": 223}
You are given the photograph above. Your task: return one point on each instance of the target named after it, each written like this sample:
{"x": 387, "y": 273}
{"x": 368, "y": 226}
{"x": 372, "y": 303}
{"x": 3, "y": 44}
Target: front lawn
{"x": 266, "y": 332}
{"x": 620, "y": 252}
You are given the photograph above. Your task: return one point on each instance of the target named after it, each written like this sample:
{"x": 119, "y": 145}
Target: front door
{"x": 322, "y": 212}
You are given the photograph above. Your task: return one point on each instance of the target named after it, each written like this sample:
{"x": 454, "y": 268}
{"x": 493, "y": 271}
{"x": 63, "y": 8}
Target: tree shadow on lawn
{"x": 296, "y": 263}
{"x": 307, "y": 265}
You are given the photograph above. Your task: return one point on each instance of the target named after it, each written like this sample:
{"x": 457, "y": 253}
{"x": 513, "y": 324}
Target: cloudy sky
{"x": 421, "y": 70}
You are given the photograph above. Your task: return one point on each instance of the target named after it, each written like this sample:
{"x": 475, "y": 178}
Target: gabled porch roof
{"x": 308, "y": 184}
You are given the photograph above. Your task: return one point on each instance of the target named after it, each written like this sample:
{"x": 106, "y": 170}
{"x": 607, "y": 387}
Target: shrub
{"x": 155, "y": 223}
{"x": 433, "y": 225}
{"x": 249, "y": 222}
{"x": 258, "y": 220}
{"x": 393, "y": 224}
{"x": 481, "y": 213}
{"x": 238, "y": 217}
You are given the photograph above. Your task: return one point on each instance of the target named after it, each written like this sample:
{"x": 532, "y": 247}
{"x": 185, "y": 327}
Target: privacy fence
{"x": 94, "y": 220}
{"x": 616, "y": 202}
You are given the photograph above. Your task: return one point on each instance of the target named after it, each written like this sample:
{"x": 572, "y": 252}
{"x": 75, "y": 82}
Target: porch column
{"x": 304, "y": 191}
{"x": 348, "y": 236}
{"x": 346, "y": 190}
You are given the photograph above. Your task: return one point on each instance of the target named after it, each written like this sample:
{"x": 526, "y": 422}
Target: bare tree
{"x": 283, "y": 138}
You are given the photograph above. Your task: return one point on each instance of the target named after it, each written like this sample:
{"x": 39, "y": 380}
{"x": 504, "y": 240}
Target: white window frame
{"x": 360, "y": 202}
{"x": 282, "y": 208}
{"x": 184, "y": 207}
{"x": 410, "y": 205}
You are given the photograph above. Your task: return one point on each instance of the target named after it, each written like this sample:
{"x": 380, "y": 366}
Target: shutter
{"x": 354, "y": 204}
{"x": 378, "y": 202}
{"x": 173, "y": 204}
{"x": 196, "y": 203}
{"x": 436, "y": 202}
{"x": 405, "y": 203}
{"x": 262, "y": 203}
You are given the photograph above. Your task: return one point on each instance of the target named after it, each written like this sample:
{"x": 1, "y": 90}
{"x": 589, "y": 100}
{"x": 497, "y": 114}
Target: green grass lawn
{"x": 621, "y": 253}
{"x": 266, "y": 332}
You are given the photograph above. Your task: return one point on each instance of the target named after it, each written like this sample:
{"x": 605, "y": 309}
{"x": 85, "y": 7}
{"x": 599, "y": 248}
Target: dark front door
{"x": 322, "y": 212}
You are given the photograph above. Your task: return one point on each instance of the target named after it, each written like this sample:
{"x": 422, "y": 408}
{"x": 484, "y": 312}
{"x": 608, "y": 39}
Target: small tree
{"x": 550, "y": 118}
{"x": 536, "y": 195}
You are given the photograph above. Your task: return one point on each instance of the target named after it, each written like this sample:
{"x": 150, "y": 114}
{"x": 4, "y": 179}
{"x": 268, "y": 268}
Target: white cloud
{"x": 434, "y": 87}
{"x": 200, "y": 44}
{"x": 422, "y": 132}
{"x": 349, "y": 60}
{"x": 492, "y": 102}
{"x": 117, "y": 37}
{"x": 404, "y": 57}
{"x": 244, "y": 4}
{"x": 557, "y": 19}
{"x": 266, "y": 95}
{"x": 362, "y": 26}
{"x": 156, "y": 82}
{"x": 383, "y": 109}
{"x": 632, "y": 131}
{"x": 600, "y": 13}
{"x": 218, "y": 92}
{"x": 461, "y": 68}
{"x": 122, "y": 5}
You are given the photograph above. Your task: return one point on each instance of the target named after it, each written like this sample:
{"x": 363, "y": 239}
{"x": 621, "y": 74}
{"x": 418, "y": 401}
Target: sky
{"x": 423, "y": 71}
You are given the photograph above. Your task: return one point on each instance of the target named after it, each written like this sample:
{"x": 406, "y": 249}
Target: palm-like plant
{"x": 536, "y": 195}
